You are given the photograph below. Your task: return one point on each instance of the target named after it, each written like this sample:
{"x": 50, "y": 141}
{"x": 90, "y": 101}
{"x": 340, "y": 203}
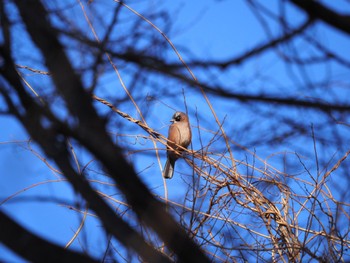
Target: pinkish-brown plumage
{"x": 179, "y": 134}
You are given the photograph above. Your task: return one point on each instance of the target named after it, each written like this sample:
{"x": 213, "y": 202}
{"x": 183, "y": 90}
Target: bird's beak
{"x": 172, "y": 120}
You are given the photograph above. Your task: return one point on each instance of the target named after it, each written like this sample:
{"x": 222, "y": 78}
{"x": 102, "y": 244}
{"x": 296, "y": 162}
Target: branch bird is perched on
{"x": 179, "y": 134}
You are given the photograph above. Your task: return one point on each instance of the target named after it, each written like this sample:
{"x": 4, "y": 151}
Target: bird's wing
{"x": 174, "y": 136}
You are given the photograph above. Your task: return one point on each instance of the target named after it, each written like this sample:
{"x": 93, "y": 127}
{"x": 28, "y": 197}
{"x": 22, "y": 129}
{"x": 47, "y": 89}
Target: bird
{"x": 179, "y": 134}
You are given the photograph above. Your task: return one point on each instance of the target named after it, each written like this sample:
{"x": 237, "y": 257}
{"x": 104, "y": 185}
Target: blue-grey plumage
{"x": 169, "y": 168}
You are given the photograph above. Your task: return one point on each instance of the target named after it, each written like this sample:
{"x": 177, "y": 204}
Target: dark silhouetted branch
{"x": 33, "y": 248}
{"x": 316, "y": 10}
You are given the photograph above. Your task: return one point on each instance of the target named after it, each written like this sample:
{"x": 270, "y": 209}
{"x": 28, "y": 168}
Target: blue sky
{"x": 203, "y": 30}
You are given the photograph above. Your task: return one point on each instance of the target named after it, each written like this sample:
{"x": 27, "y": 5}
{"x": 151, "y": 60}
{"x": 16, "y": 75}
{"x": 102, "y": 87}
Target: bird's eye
{"x": 178, "y": 118}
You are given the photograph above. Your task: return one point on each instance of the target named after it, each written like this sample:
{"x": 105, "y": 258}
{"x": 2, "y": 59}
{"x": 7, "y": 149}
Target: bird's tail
{"x": 169, "y": 169}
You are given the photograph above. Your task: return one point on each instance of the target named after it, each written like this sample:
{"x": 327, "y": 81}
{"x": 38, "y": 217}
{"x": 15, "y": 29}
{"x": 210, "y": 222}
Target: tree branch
{"x": 316, "y": 10}
{"x": 34, "y": 248}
